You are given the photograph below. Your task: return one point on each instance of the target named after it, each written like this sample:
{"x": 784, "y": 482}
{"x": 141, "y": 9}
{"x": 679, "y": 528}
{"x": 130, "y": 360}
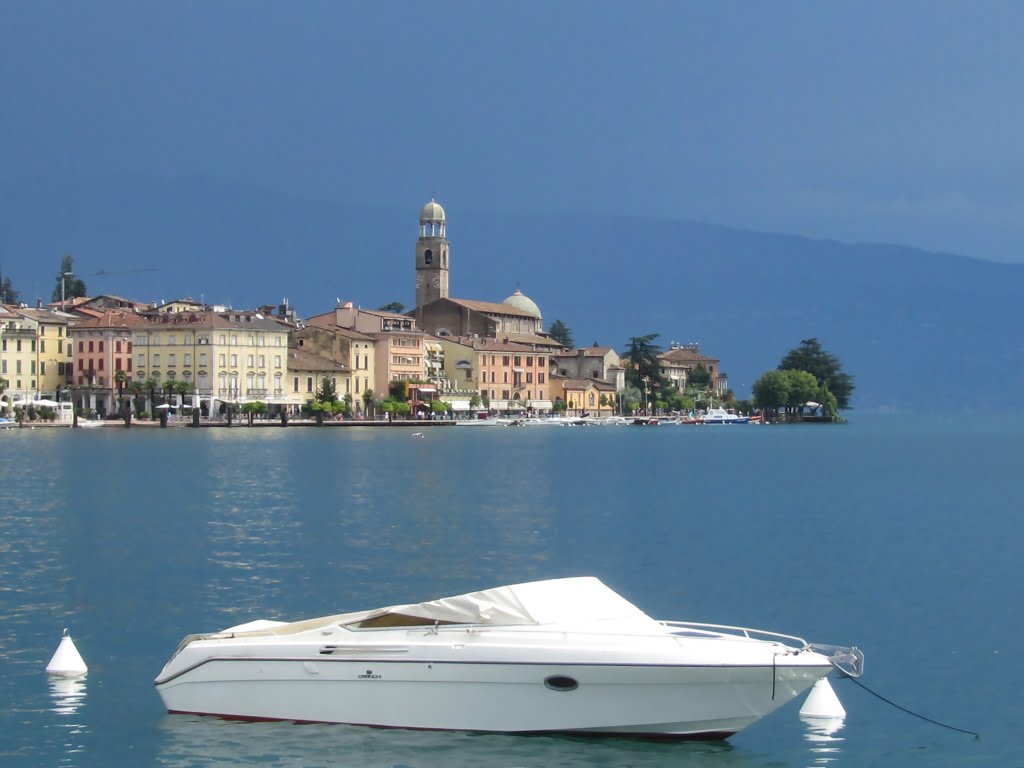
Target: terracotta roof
{"x": 326, "y": 321}
{"x": 587, "y": 352}
{"x": 584, "y": 383}
{"x": 499, "y": 345}
{"x": 112, "y": 318}
{"x": 683, "y": 356}
{"x": 493, "y": 308}
{"x": 532, "y": 338}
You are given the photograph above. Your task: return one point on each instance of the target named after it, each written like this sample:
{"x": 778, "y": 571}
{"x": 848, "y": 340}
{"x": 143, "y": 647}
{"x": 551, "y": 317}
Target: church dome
{"x": 521, "y": 301}
{"x": 431, "y": 212}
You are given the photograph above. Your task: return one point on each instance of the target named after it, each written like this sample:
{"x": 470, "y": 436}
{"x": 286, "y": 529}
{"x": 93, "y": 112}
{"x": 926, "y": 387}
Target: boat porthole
{"x": 561, "y": 683}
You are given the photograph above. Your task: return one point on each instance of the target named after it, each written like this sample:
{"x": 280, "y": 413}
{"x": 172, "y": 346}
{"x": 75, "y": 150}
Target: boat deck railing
{"x": 696, "y": 629}
{"x": 848, "y": 660}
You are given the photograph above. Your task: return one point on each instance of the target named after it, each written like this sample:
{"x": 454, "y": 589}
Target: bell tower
{"x": 431, "y": 256}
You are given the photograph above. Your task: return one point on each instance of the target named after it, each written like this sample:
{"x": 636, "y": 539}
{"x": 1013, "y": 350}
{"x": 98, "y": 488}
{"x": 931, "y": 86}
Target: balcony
{"x": 255, "y": 393}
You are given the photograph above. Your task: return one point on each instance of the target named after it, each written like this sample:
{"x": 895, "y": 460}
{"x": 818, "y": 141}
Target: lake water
{"x": 900, "y": 535}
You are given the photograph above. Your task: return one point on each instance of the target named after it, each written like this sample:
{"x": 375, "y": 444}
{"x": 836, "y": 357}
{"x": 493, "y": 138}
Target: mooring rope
{"x": 977, "y": 736}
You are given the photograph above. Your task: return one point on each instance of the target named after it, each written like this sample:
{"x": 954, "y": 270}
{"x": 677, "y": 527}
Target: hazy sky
{"x": 898, "y": 121}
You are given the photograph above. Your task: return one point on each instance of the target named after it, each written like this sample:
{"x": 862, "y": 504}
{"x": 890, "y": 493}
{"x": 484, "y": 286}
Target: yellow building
{"x": 231, "y": 356}
{"x": 398, "y": 344}
{"x": 585, "y": 397}
{"x": 353, "y": 353}
{"x": 35, "y": 353}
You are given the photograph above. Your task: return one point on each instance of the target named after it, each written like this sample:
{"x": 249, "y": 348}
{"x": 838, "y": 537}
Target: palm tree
{"x": 121, "y": 378}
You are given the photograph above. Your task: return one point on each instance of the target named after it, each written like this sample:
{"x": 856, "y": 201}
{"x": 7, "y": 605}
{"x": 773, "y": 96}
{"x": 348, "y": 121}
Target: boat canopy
{"x": 583, "y": 599}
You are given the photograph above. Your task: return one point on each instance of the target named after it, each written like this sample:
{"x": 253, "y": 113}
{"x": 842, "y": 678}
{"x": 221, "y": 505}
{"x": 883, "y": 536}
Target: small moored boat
{"x": 565, "y": 655}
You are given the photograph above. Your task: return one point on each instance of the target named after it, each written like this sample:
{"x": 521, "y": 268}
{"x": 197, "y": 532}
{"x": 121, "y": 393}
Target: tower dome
{"x": 521, "y": 301}
{"x": 432, "y": 213}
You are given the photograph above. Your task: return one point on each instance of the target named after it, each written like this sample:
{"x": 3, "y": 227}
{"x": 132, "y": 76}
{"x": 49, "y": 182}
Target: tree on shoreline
{"x": 824, "y": 366}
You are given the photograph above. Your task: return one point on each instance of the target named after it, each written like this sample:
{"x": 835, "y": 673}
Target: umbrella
{"x": 164, "y": 405}
{"x": 45, "y": 403}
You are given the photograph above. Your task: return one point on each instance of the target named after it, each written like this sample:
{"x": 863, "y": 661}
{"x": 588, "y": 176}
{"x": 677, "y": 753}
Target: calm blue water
{"x": 902, "y": 536}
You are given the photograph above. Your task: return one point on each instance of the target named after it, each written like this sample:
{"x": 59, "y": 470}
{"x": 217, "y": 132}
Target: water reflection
{"x": 68, "y": 694}
{"x": 190, "y": 741}
{"x": 68, "y": 701}
{"x": 821, "y": 733}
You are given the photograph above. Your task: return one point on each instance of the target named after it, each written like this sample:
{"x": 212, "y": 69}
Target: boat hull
{"x": 651, "y": 701}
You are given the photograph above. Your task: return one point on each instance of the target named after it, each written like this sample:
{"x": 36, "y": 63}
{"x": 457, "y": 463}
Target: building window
{"x": 529, "y": 361}
{"x": 234, "y": 361}
{"x": 540, "y": 378}
{"x": 129, "y": 365}
{"x": 90, "y": 345}
{"x": 202, "y": 359}
{"x": 100, "y": 366}
{"x": 529, "y": 378}
{"x": 309, "y": 383}
{"x": 263, "y": 361}
{"x": 42, "y": 345}
{"x": 277, "y": 361}
{"x": 504, "y": 379}
{"x": 156, "y": 359}
{"x": 188, "y": 359}
{"x": 60, "y": 347}
{"x": 117, "y": 363}
{"x": 142, "y": 358}
{"x": 223, "y": 360}
{"x": 248, "y": 361}
{"x": 170, "y": 359}
{"x": 295, "y": 383}
{"x": 117, "y": 348}
{"x": 504, "y": 359}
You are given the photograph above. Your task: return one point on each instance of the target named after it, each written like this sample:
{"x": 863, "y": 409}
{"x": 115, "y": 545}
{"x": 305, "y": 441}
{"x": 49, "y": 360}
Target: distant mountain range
{"x": 917, "y": 330}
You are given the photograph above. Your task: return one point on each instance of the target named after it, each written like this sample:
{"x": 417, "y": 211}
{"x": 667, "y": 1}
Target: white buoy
{"x": 822, "y": 702}
{"x": 67, "y": 661}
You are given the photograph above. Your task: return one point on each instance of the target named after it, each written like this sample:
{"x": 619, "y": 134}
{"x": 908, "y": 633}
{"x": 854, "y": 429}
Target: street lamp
{"x": 63, "y": 281}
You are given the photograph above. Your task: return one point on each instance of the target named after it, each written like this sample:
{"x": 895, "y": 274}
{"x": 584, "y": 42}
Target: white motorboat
{"x": 722, "y": 416}
{"x": 565, "y": 655}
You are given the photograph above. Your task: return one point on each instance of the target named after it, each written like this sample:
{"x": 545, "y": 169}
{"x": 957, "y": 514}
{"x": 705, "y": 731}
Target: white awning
{"x": 458, "y": 405}
{"x": 556, "y": 601}
{"x": 542, "y": 405}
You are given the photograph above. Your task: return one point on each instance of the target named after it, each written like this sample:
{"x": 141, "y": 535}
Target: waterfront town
{"x": 103, "y": 356}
